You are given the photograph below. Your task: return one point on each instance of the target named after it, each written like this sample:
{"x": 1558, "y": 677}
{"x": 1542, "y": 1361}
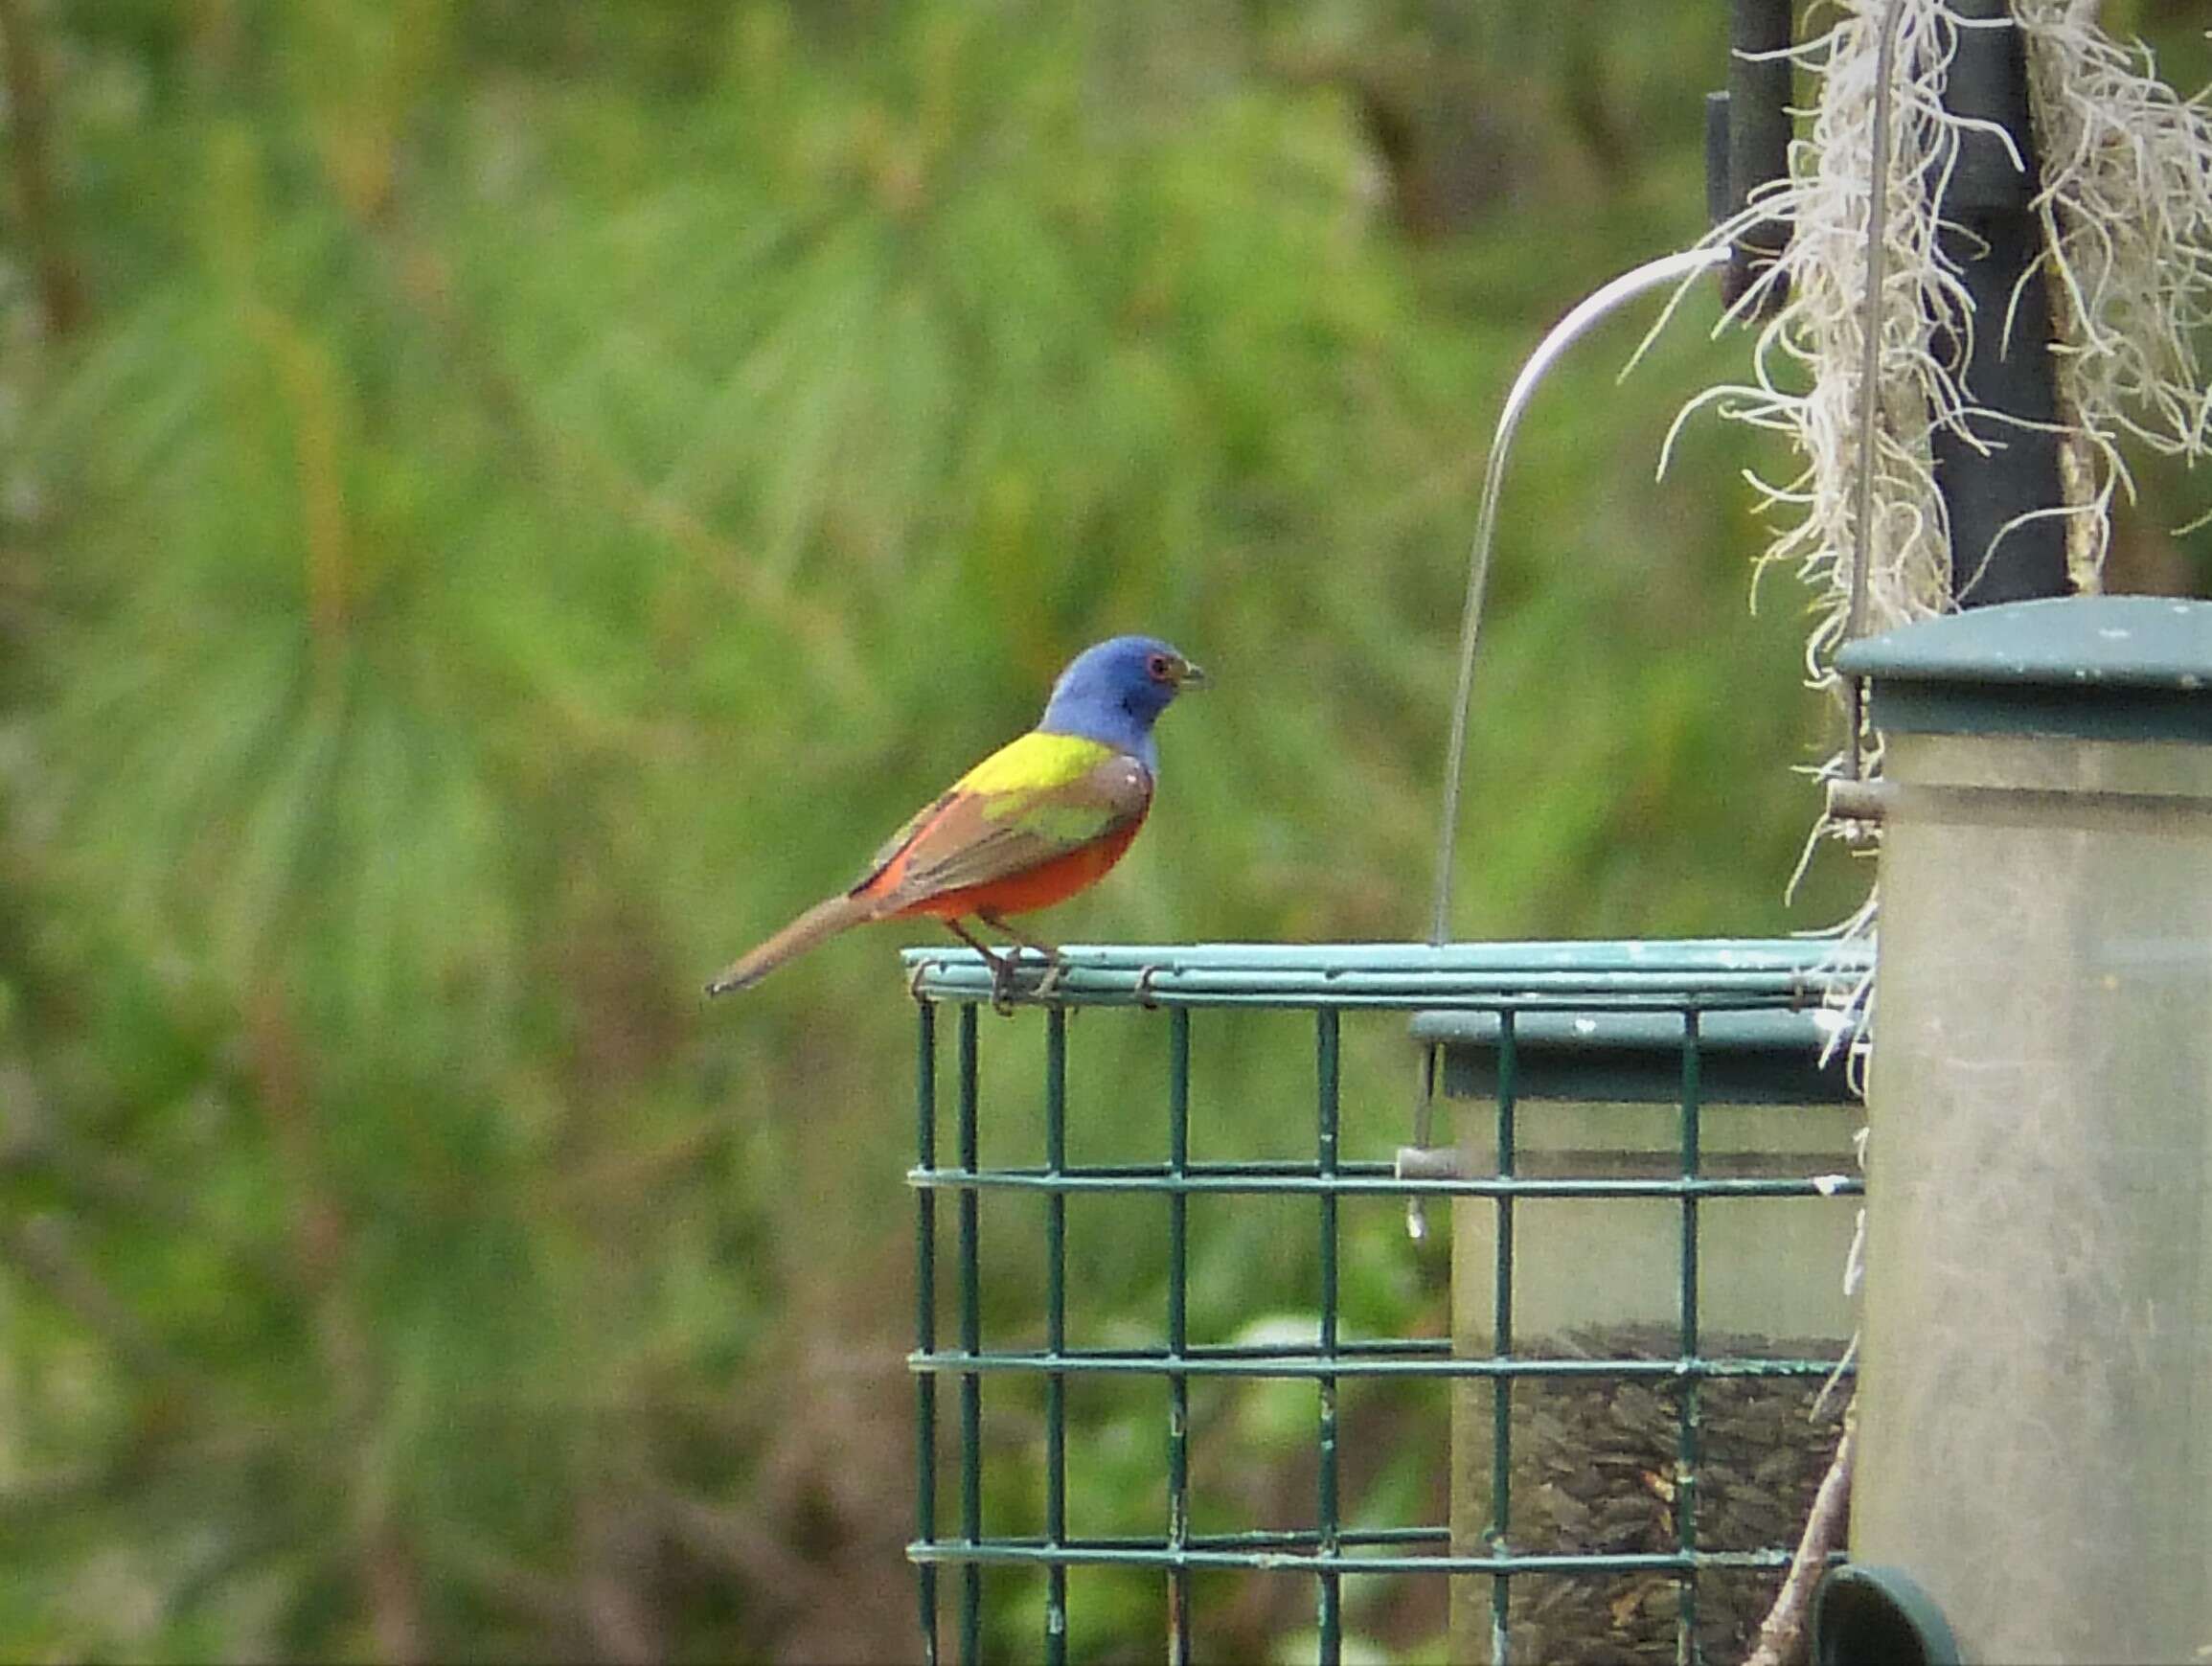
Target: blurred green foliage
{"x": 531, "y": 493}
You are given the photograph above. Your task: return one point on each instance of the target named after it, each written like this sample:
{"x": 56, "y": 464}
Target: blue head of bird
{"x": 1115, "y": 690}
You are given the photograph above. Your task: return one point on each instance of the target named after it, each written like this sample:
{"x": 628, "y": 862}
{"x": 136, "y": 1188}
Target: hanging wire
{"x": 1586, "y": 313}
{"x": 1869, "y": 377}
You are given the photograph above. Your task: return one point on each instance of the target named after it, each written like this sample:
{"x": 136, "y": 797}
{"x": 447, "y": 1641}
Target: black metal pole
{"x": 1753, "y": 122}
{"x": 1991, "y": 232}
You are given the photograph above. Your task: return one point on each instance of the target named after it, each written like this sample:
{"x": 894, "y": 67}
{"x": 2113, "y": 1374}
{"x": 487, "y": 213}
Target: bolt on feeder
{"x": 1656, "y": 1267}
{"x": 2036, "y": 1381}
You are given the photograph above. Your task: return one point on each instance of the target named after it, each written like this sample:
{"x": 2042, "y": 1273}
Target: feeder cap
{"x": 1878, "y": 1617}
{"x": 2098, "y": 668}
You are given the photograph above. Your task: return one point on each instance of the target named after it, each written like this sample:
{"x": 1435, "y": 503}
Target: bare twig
{"x": 40, "y": 1251}
{"x": 1782, "y": 1638}
{"x": 62, "y": 293}
{"x": 619, "y": 1549}
{"x": 390, "y": 1583}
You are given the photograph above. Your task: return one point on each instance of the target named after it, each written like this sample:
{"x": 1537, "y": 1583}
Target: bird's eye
{"x": 1156, "y": 668}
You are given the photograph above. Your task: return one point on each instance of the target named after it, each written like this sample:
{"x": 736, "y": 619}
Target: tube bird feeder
{"x": 2036, "y": 1376}
{"x": 1648, "y": 1292}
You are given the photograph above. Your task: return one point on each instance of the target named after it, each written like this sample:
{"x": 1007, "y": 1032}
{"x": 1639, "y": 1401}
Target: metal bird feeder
{"x": 1703, "y": 1077}
{"x": 2035, "y": 1396}
{"x": 1660, "y": 1112}
{"x": 1702, "y": 1311}
{"x": 1651, "y": 1221}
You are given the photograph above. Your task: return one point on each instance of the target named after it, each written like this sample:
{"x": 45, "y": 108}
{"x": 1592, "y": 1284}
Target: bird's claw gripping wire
{"x": 1002, "y": 968}
{"x": 1006, "y": 978}
{"x": 1054, "y": 962}
{"x": 1055, "y": 974}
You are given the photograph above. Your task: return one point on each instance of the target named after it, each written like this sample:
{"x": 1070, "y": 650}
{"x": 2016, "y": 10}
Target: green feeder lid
{"x": 2098, "y": 668}
{"x": 1743, "y": 1058}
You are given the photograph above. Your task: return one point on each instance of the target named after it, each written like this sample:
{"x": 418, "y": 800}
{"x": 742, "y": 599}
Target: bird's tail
{"x": 823, "y": 920}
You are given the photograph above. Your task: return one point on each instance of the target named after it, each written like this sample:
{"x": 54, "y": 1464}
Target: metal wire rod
{"x": 1599, "y": 977}
{"x": 1299, "y": 1559}
{"x": 1586, "y": 315}
{"x": 1376, "y": 1180}
{"x": 1310, "y": 1366}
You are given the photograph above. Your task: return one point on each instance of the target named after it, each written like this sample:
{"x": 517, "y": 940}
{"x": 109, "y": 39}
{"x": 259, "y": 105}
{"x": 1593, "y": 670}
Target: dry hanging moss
{"x": 2125, "y": 207}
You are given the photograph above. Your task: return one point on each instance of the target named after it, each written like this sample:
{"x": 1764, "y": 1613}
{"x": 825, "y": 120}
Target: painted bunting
{"x": 1039, "y": 820}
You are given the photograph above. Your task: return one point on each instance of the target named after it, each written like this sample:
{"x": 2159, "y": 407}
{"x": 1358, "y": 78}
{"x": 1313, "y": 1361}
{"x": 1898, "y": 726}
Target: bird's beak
{"x": 1188, "y": 675}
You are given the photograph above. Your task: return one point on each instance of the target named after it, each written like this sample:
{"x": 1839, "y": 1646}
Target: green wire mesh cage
{"x": 1585, "y": 1469}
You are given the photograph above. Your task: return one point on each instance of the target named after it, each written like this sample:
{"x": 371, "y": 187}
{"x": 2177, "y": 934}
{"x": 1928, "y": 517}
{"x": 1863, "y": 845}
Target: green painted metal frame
{"x": 1689, "y": 980}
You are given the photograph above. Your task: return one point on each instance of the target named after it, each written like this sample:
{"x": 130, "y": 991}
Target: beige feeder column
{"x": 2036, "y": 1376}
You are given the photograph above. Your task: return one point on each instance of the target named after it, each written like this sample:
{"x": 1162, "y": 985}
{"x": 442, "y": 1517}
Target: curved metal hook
{"x": 1598, "y": 305}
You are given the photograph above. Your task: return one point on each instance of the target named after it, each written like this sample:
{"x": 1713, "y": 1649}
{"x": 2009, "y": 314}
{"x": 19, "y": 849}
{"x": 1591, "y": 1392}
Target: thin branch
{"x": 1782, "y": 1638}
{"x": 389, "y": 1580}
{"x": 619, "y": 1552}
{"x": 62, "y": 293}
{"x": 40, "y": 1251}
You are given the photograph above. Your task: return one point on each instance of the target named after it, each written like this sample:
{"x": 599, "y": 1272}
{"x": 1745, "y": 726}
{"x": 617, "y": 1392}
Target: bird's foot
{"x": 1009, "y": 972}
{"x": 1004, "y": 975}
{"x": 1054, "y": 962}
